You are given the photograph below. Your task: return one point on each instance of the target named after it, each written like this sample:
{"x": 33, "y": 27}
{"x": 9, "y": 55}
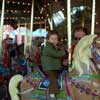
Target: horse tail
{"x": 13, "y": 91}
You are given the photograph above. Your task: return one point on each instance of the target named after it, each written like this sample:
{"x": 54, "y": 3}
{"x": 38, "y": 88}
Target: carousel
{"x": 20, "y": 55}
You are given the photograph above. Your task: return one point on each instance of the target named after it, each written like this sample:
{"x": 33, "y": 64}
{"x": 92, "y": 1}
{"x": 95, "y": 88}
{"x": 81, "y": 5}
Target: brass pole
{"x": 1, "y": 27}
{"x": 93, "y": 17}
{"x": 25, "y": 40}
{"x": 19, "y": 35}
{"x": 83, "y": 22}
{"x": 31, "y": 27}
{"x": 69, "y": 28}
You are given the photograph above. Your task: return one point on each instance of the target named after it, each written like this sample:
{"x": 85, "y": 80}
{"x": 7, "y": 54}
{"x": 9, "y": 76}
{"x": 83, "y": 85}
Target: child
{"x": 51, "y": 61}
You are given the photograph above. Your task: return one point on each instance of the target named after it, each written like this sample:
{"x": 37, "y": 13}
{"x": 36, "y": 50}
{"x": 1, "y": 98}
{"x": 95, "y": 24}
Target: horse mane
{"x": 82, "y": 54}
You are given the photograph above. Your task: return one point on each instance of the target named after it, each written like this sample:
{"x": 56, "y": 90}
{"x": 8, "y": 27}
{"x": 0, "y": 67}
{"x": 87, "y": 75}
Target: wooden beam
{"x": 41, "y": 22}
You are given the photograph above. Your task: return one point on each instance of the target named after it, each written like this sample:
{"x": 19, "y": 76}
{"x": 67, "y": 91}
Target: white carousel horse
{"x": 86, "y": 63}
{"x": 82, "y": 55}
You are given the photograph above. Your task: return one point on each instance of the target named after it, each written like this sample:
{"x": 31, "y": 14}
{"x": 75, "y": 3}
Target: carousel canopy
{"x": 20, "y": 11}
{"x": 40, "y": 33}
{"x": 8, "y": 30}
{"x": 23, "y": 31}
{"x": 22, "y": 8}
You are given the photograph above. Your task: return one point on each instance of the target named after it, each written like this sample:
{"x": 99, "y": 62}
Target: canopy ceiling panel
{"x": 17, "y": 7}
{"x": 21, "y": 9}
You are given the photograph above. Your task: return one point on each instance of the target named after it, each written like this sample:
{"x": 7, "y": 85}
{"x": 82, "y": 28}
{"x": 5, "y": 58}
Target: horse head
{"x": 13, "y": 84}
{"x": 87, "y": 49}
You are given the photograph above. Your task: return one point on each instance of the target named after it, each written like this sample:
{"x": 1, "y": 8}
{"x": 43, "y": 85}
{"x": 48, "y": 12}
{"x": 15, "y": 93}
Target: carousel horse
{"x": 86, "y": 64}
{"x": 82, "y": 83}
{"x": 36, "y": 81}
{"x": 87, "y": 55}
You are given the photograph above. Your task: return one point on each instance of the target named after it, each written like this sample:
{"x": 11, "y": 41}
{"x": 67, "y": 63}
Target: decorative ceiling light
{"x": 28, "y": 11}
{"x": 13, "y": 2}
{"x": 96, "y": 23}
{"x": 38, "y": 17}
{"x": 23, "y": 3}
{"x": 44, "y": 5}
{"x": 63, "y": 9}
{"x": 58, "y": 18}
{"x": 8, "y": 1}
{"x": 18, "y": 3}
{"x": 65, "y": 39}
{"x": 7, "y": 10}
{"x": 61, "y": 14}
{"x": 11, "y": 10}
{"x": 41, "y": 17}
{"x": 81, "y": 8}
{"x": 35, "y": 17}
{"x": 56, "y": 0}
{"x": 47, "y": 15}
{"x": 29, "y": 4}
{"x": 15, "y": 10}
{"x": 48, "y": 4}
{"x": 24, "y": 11}
{"x": 74, "y": 10}
{"x": 22, "y": 17}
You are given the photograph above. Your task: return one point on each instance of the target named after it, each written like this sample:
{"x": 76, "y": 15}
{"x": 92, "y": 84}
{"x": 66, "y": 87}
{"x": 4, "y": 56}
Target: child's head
{"x": 53, "y": 37}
